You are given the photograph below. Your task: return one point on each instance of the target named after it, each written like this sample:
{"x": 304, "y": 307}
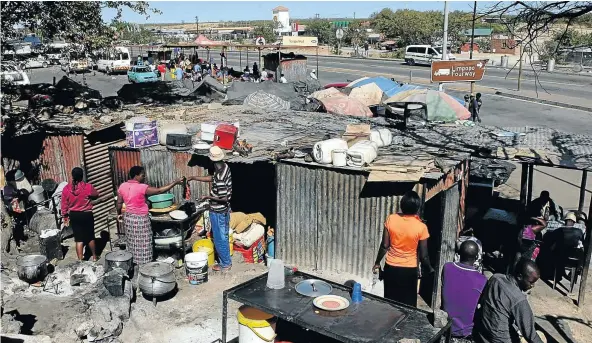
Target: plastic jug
{"x": 276, "y": 276}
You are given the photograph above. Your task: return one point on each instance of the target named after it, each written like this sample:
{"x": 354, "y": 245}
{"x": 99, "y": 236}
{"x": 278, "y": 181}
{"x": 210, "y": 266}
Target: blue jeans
{"x": 220, "y": 225}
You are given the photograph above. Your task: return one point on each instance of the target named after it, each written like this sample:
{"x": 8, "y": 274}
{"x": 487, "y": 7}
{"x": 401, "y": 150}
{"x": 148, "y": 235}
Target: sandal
{"x": 217, "y": 268}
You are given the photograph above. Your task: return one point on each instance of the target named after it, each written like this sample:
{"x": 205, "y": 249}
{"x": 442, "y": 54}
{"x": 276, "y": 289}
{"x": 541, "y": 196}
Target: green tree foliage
{"x": 76, "y": 21}
{"x": 322, "y": 29}
{"x": 265, "y": 31}
{"x": 410, "y": 26}
{"x": 572, "y": 37}
{"x": 355, "y": 34}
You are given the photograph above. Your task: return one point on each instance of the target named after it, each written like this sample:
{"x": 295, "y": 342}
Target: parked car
{"x": 11, "y": 73}
{"x": 388, "y": 45}
{"x": 140, "y": 74}
{"x": 424, "y": 54}
{"x": 34, "y": 62}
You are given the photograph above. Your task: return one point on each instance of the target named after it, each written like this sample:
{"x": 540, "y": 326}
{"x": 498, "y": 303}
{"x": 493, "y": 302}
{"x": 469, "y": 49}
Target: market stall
{"x": 374, "y": 319}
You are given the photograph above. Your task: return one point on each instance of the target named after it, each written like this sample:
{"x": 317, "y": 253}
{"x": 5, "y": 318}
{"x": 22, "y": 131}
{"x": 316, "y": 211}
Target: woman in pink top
{"x": 77, "y": 211}
{"x": 138, "y": 231}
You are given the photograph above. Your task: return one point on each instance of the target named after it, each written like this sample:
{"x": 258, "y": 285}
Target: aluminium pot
{"x": 31, "y": 268}
{"x": 119, "y": 259}
{"x": 156, "y": 279}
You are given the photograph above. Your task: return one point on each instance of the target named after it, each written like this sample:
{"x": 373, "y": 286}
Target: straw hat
{"x": 216, "y": 154}
{"x": 571, "y": 216}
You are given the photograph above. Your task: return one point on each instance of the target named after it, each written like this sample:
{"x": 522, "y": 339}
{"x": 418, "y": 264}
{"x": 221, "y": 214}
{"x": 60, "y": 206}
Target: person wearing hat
{"x": 220, "y": 195}
{"x": 565, "y": 241}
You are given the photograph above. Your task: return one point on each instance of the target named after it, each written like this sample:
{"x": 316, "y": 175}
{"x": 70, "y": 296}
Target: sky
{"x": 178, "y": 11}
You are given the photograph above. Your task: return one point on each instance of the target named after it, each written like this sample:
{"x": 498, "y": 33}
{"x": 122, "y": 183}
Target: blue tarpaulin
{"x": 388, "y": 86}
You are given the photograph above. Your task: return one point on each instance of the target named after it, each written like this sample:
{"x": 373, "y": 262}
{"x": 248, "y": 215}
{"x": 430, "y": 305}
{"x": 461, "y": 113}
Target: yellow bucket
{"x": 208, "y": 243}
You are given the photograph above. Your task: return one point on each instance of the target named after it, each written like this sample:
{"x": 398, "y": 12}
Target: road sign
{"x": 456, "y": 71}
{"x": 260, "y": 41}
{"x": 339, "y": 33}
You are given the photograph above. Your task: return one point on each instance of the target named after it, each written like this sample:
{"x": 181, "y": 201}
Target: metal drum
{"x": 118, "y": 259}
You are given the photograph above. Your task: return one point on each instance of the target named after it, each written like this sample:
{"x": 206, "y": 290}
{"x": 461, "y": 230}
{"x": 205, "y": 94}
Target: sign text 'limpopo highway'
{"x": 457, "y": 71}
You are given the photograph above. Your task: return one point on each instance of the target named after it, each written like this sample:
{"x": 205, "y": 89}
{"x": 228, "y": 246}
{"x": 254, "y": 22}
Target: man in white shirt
{"x": 313, "y": 74}
{"x": 283, "y": 79}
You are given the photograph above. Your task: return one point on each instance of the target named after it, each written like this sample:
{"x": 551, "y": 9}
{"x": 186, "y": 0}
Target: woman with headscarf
{"x": 403, "y": 236}
{"x": 138, "y": 231}
{"x": 77, "y": 210}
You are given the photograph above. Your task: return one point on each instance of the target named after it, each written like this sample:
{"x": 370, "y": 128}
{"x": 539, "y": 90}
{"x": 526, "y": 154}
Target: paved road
{"x": 499, "y": 111}
{"x": 496, "y": 78}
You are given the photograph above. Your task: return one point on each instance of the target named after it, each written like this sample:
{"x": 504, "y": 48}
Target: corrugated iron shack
{"x": 294, "y": 67}
{"x": 51, "y": 148}
{"x": 325, "y": 217}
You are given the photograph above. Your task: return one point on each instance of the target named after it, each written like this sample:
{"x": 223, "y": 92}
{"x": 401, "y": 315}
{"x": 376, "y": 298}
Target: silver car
{"x": 34, "y": 62}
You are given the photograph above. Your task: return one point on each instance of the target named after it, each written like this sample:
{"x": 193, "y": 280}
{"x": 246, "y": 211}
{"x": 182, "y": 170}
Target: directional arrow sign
{"x": 455, "y": 71}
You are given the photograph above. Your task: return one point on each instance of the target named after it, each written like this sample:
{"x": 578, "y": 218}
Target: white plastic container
{"x": 196, "y": 267}
{"x": 339, "y": 157}
{"x": 361, "y": 153}
{"x": 196, "y": 259}
{"x": 255, "y": 326}
{"x": 322, "y": 150}
{"x": 276, "y": 279}
{"x": 382, "y": 137}
{"x": 169, "y": 128}
{"x": 207, "y": 136}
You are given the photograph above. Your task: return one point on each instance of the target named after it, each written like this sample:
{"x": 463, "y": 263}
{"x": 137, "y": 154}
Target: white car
{"x": 34, "y": 62}
{"x": 11, "y": 74}
{"x": 424, "y": 54}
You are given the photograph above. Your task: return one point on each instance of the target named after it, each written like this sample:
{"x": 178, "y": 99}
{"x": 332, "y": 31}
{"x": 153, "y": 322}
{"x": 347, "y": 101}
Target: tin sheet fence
{"x": 332, "y": 220}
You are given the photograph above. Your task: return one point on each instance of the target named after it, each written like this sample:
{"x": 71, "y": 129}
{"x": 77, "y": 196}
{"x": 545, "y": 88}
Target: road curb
{"x": 543, "y": 101}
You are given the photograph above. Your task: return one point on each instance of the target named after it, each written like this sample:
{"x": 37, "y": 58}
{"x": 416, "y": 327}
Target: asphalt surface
{"x": 496, "y": 110}
{"x": 332, "y": 69}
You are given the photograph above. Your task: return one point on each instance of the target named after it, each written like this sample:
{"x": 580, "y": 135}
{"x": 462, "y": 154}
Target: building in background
{"x": 281, "y": 18}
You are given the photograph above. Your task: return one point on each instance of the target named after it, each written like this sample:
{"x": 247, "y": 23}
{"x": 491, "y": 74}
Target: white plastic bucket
{"x": 382, "y": 137}
{"x": 196, "y": 267}
{"x": 255, "y": 335}
{"x": 339, "y": 157}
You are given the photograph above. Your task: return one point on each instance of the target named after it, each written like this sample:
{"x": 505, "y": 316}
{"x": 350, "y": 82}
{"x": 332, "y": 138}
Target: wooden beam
{"x": 583, "y": 191}
{"x": 530, "y": 176}
{"x": 523, "y": 186}
{"x": 587, "y": 254}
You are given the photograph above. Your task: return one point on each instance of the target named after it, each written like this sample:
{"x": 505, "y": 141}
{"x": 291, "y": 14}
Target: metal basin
{"x": 31, "y": 268}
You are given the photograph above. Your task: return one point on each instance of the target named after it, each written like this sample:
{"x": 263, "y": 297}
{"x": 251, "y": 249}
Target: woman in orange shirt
{"x": 402, "y": 235}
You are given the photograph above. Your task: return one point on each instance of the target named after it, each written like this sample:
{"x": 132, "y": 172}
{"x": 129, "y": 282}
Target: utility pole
{"x": 473, "y": 41}
{"x": 444, "y": 40}
{"x": 197, "y": 24}
{"x": 520, "y": 69}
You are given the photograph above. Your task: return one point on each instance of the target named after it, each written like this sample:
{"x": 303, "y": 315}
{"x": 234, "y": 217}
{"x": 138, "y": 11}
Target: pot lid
{"x": 156, "y": 269}
{"x": 313, "y": 288}
{"x": 30, "y": 260}
{"x": 119, "y": 256}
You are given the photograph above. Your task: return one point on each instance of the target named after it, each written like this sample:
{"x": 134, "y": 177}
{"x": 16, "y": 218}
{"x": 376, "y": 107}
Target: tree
{"x": 265, "y": 31}
{"x": 410, "y": 26}
{"x": 77, "y": 21}
{"x": 355, "y": 35}
{"x": 323, "y": 30}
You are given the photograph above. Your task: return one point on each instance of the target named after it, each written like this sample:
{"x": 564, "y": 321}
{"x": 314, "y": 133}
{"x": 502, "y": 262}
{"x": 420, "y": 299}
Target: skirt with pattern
{"x": 138, "y": 234}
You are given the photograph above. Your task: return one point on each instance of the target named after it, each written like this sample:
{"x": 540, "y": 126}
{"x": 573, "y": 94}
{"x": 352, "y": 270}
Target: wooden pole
{"x": 520, "y": 69}
{"x": 523, "y": 186}
{"x": 472, "y": 41}
{"x": 240, "y": 58}
{"x": 583, "y": 191}
{"x": 530, "y": 176}
{"x": 587, "y": 254}
{"x": 317, "y": 61}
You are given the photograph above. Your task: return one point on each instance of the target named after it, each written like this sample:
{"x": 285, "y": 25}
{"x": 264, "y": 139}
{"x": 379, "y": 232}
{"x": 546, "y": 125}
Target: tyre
{"x": 44, "y": 64}
{"x": 411, "y": 62}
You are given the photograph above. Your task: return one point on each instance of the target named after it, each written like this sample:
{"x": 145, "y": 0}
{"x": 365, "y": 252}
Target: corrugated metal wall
{"x": 59, "y": 156}
{"x": 98, "y": 173}
{"x": 162, "y": 167}
{"x": 331, "y": 220}
{"x": 450, "y": 222}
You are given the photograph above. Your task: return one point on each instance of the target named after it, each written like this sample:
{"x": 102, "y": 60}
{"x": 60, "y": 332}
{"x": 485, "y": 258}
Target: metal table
{"x": 375, "y": 319}
{"x": 183, "y": 225}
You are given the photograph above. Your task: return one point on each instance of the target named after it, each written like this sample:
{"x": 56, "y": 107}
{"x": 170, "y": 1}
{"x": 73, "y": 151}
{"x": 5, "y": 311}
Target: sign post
{"x": 458, "y": 71}
{"x": 339, "y": 35}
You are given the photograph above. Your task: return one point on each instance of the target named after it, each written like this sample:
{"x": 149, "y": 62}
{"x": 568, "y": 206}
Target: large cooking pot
{"x": 156, "y": 279}
{"x": 31, "y": 268}
{"x": 119, "y": 259}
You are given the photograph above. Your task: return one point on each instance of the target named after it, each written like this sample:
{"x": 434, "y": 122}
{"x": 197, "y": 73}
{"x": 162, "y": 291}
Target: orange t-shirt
{"x": 405, "y": 233}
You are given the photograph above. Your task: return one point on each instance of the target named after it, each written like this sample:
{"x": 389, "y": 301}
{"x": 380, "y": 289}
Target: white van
{"x": 114, "y": 60}
{"x": 424, "y": 54}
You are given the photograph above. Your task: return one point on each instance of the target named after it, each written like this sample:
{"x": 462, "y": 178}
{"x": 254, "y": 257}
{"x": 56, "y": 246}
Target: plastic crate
{"x": 254, "y": 254}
